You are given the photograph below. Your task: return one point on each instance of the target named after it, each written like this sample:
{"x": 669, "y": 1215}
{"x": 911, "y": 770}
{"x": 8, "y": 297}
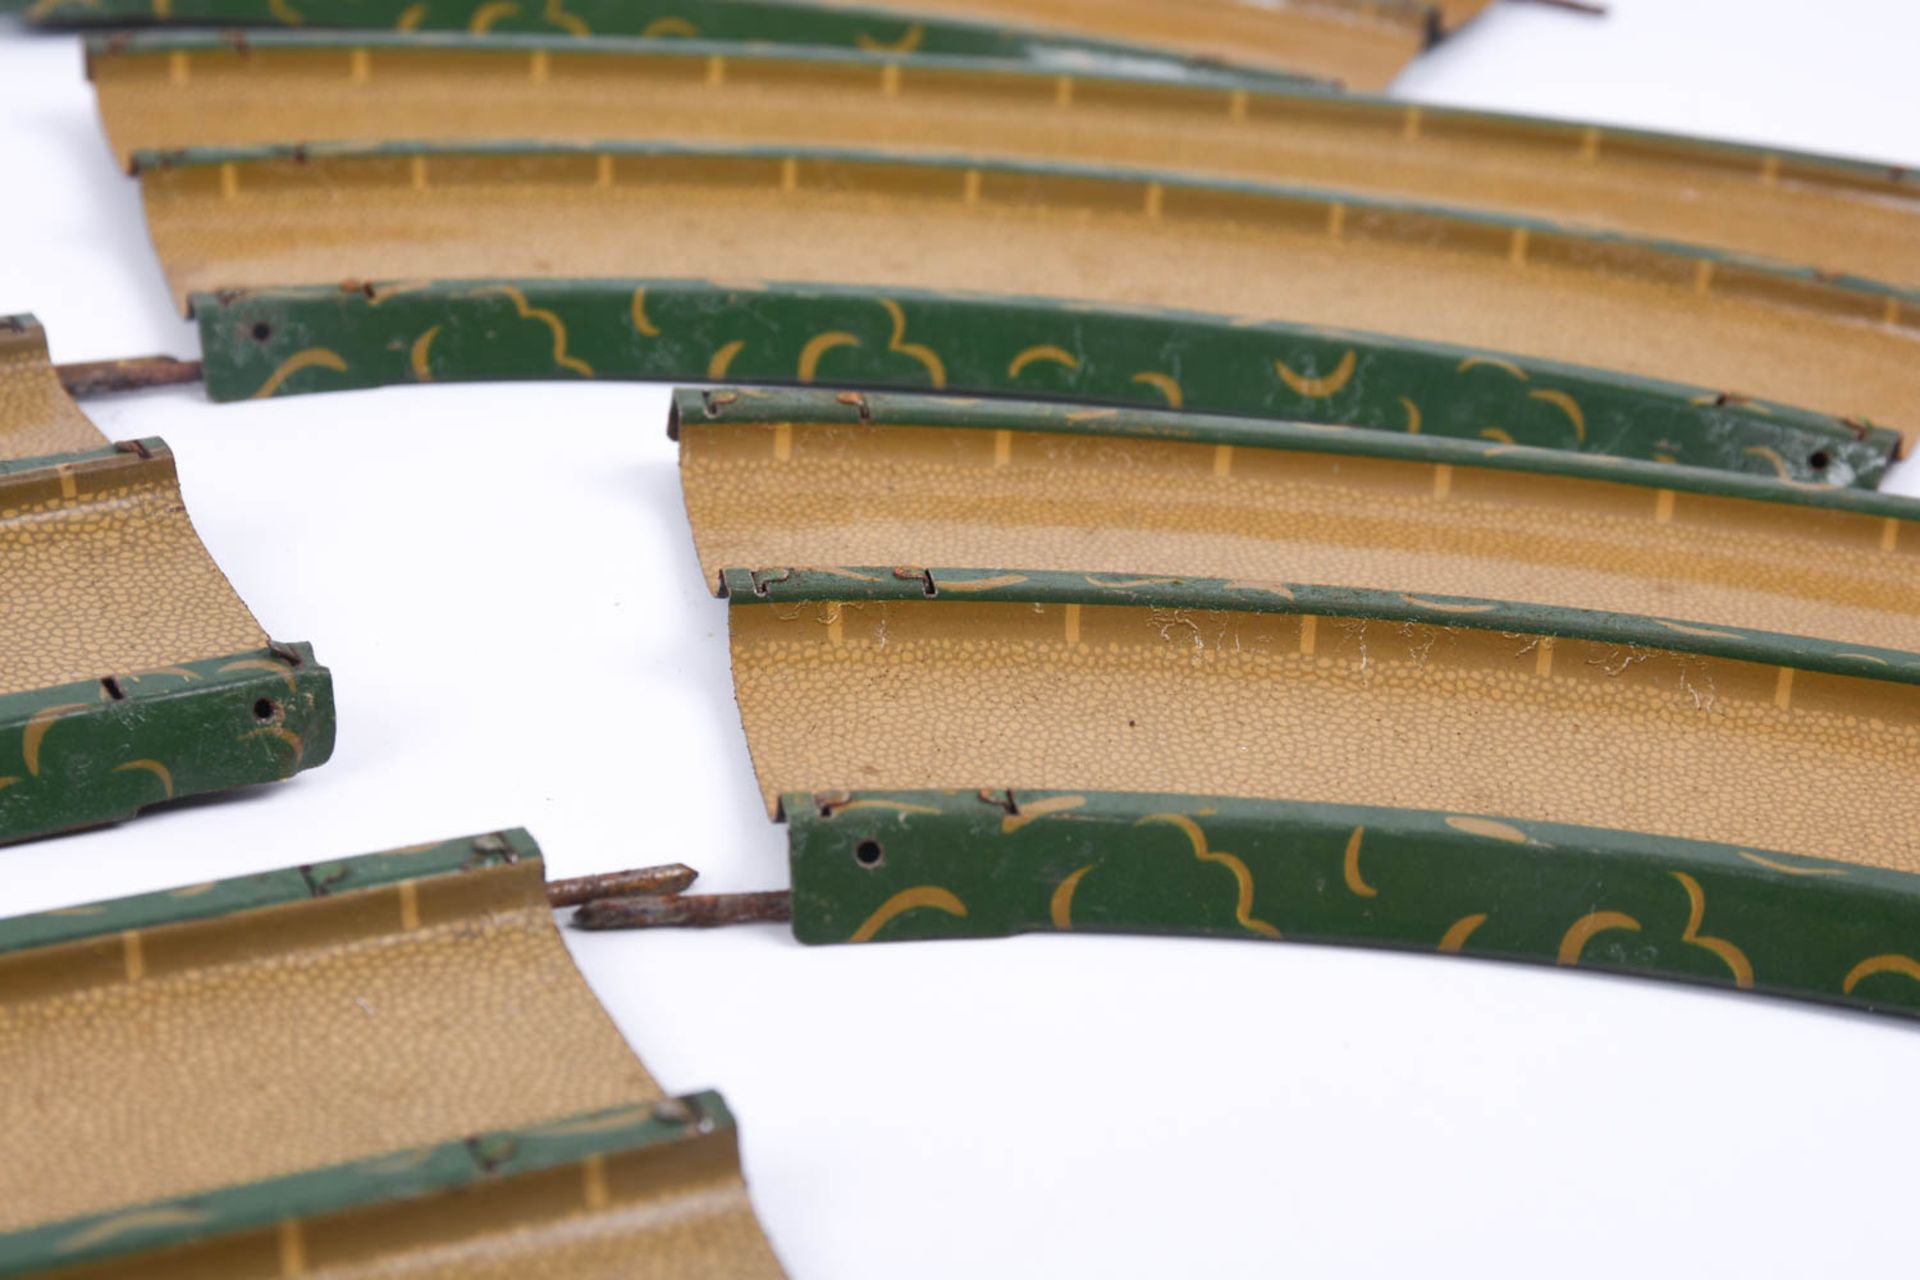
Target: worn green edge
{"x": 964, "y": 865}
{"x": 106, "y": 452}
{"x": 772, "y": 22}
{"x": 748, "y": 588}
{"x": 1164, "y": 70}
{"x": 731, "y": 406}
{"x": 76, "y": 756}
{"x": 267, "y": 889}
{"x": 1712, "y": 151}
{"x": 407, "y": 1174}
{"x": 690, "y": 330}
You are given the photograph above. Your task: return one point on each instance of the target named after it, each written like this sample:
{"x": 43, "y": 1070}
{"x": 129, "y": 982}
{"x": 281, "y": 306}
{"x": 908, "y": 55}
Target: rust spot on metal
{"x": 99, "y": 377}
{"x": 858, "y": 403}
{"x": 686, "y": 912}
{"x": 673, "y": 878}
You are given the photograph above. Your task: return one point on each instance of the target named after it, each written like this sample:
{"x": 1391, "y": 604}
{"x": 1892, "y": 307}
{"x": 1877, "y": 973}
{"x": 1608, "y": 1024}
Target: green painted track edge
{"x": 155, "y": 43}
{"x": 408, "y": 1174}
{"x": 962, "y": 865}
{"x": 730, "y": 406}
{"x": 75, "y": 756}
{"x": 267, "y": 889}
{"x": 774, "y": 22}
{"x": 751, "y": 588}
{"x": 366, "y": 335}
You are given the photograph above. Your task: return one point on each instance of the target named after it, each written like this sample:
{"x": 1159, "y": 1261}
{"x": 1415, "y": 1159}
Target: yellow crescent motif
{"x": 1587, "y": 926}
{"x": 1060, "y": 908}
{"x": 261, "y": 664}
{"x": 411, "y": 18}
{"x": 1771, "y": 457}
{"x": 36, "y": 732}
{"x": 1350, "y": 867}
{"x": 567, "y": 22}
{"x": 926, "y": 895}
{"x": 1267, "y": 588}
{"x": 1496, "y": 434}
{"x": 1567, "y": 405}
{"x": 723, "y": 359}
{"x": 1459, "y": 931}
{"x": 1320, "y": 388}
{"x": 1733, "y": 957}
{"x": 7, "y": 782}
{"x": 487, "y": 14}
{"x": 819, "y": 346}
{"x": 287, "y": 736}
{"x": 1906, "y": 966}
{"x": 936, "y": 369}
{"x": 982, "y": 584}
{"x": 1771, "y": 865}
{"x": 136, "y": 1220}
{"x": 1413, "y": 416}
{"x": 1505, "y": 366}
{"x": 905, "y": 44}
{"x": 1243, "y": 906}
{"x": 1165, "y": 385}
{"x": 285, "y": 12}
{"x": 641, "y": 324}
{"x": 153, "y": 767}
{"x": 311, "y": 358}
{"x": 418, "y": 356}
{"x": 1034, "y": 355}
{"x": 193, "y": 890}
{"x": 548, "y": 318}
{"x": 1037, "y": 810}
{"x": 661, "y": 27}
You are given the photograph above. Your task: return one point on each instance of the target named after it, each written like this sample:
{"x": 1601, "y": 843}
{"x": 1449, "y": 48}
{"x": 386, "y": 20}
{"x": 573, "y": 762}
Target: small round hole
{"x": 262, "y": 331}
{"x": 1820, "y": 460}
{"x": 869, "y": 854}
{"x": 265, "y": 710}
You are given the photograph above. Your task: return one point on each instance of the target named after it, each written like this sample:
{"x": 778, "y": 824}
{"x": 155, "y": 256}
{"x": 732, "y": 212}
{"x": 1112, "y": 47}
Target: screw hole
{"x": 869, "y": 854}
{"x": 262, "y": 331}
{"x": 1820, "y": 460}
{"x": 265, "y": 709}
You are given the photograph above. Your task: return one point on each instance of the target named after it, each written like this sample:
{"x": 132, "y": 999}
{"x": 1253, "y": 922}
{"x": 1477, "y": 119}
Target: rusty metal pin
{"x": 685, "y": 912}
{"x": 675, "y": 877}
{"x": 98, "y": 377}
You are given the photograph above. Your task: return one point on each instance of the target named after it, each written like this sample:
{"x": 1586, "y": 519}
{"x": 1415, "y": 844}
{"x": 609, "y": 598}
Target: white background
{"x": 501, "y": 580}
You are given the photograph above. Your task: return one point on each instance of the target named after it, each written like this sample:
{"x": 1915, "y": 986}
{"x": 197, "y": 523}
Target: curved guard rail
{"x": 1361, "y": 43}
{"x": 268, "y": 342}
{"x": 824, "y": 478}
{"x": 910, "y": 679}
{"x": 165, "y": 91}
{"x": 236, "y": 220}
{"x": 167, "y": 1118}
{"x": 130, "y": 672}
{"x": 891, "y": 866}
